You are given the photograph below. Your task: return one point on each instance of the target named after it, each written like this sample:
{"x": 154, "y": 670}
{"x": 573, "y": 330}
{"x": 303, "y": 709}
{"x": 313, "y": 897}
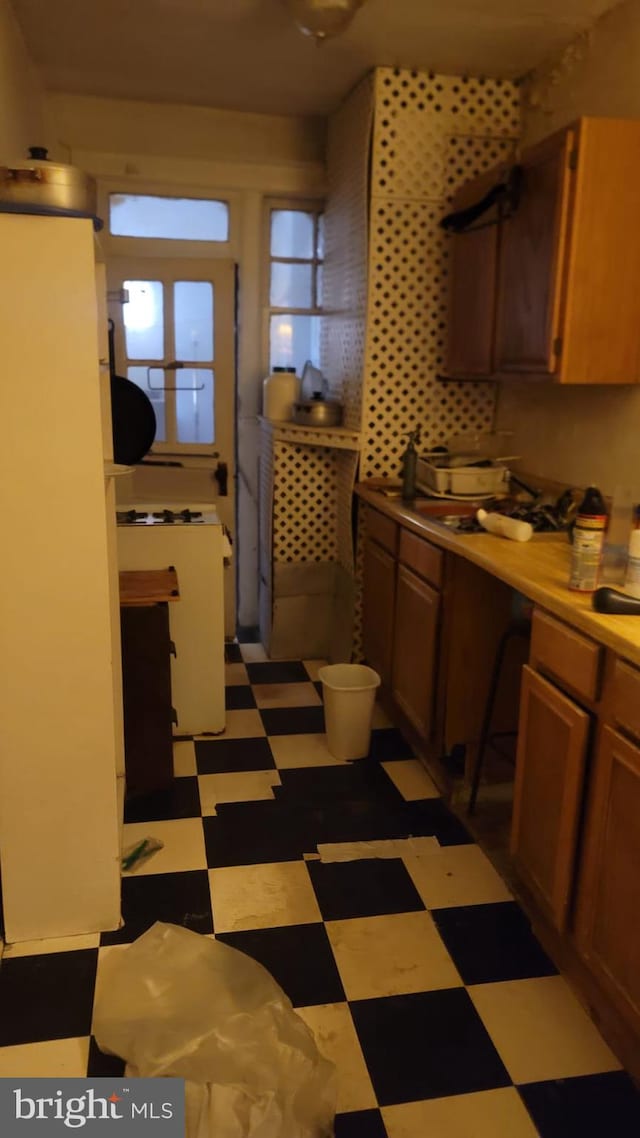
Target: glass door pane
{"x": 144, "y": 320}
{"x": 194, "y": 405}
{"x": 193, "y": 320}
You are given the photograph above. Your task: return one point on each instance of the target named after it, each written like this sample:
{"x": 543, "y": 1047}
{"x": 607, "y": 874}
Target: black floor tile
{"x": 426, "y": 1045}
{"x": 47, "y": 997}
{"x": 359, "y": 781}
{"x": 248, "y": 634}
{"x": 178, "y": 898}
{"x": 367, "y": 888}
{"x": 101, "y": 1066}
{"x": 244, "y": 833}
{"x": 232, "y": 653}
{"x": 300, "y": 959}
{"x": 360, "y": 1124}
{"x": 429, "y": 817}
{"x": 180, "y": 800}
{"x": 491, "y": 943}
{"x": 293, "y": 720}
{"x": 278, "y": 672}
{"x": 238, "y": 697}
{"x": 219, "y": 756}
{"x": 387, "y": 744}
{"x": 588, "y": 1107}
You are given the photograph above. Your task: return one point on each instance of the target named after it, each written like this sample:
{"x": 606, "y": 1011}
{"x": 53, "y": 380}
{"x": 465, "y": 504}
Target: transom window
{"x": 296, "y": 252}
{"x": 178, "y": 219}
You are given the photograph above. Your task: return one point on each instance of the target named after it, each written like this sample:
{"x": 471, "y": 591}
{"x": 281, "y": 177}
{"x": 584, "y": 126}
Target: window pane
{"x": 320, "y": 251}
{"x": 193, "y": 318}
{"x": 319, "y": 280}
{"x": 291, "y": 285}
{"x": 294, "y": 340}
{"x": 143, "y": 320}
{"x": 194, "y": 408}
{"x": 187, "y": 219}
{"x": 139, "y": 376}
{"x": 291, "y": 233}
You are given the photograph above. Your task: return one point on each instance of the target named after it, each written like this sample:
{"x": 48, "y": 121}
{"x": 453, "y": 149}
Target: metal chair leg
{"x": 515, "y": 629}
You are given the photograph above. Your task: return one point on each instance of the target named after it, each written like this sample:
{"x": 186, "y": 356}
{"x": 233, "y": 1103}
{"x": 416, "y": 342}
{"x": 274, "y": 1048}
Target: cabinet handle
{"x": 174, "y": 716}
{"x": 172, "y": 648}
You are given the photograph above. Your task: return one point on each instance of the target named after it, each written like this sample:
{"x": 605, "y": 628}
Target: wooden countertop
{"x": 148, "y": 586}
{"x": 539, "y": 568}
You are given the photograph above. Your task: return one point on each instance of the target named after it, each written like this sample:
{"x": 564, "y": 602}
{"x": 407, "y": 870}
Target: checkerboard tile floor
{"x": 416, "y": 970}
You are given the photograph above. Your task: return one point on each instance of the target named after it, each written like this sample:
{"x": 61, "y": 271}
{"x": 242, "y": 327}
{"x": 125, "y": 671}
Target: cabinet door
{"x": 552, "y": 744}
{"x": 531, "y": 265}
{"x": 607, "y": 925}
{"x": 414, "y": 649}
{"x": 473, "y": 259}
{"x": 378, "y": 594}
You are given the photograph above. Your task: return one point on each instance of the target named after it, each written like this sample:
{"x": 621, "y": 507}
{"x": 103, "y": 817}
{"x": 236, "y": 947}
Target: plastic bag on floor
{"x": 177, "y": 1003}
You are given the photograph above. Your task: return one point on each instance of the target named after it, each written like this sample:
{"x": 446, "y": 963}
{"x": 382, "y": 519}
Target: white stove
{"x": 154, "y": 535}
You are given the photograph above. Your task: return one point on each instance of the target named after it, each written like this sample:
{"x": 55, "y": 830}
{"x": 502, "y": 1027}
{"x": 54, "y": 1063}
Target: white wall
{"x": 580, "y": 434}
{"x": 21, "y": 120}
{"x": 249, "y": 157}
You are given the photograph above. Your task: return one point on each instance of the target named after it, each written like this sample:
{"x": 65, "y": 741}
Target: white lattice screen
{"x": 431, "y": 134}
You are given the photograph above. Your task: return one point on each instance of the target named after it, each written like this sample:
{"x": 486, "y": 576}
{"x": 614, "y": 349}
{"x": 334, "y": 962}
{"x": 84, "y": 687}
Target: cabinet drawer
{"x": 425, "y": 559}
{"x": 570, "y": 657}
{"x": 625, "y": 700}
{"x": 381, "y": 529}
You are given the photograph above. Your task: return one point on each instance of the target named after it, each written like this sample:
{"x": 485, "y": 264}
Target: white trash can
{"x": 349, "y": 692}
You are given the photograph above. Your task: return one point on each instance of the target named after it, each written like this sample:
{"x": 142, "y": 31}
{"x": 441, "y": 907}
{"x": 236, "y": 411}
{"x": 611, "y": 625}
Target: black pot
{"x": 133, "y": 419}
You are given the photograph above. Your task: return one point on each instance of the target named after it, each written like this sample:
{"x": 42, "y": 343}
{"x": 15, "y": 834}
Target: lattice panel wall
{"x": 431, "y": 134}
{"x": 304, "y": 505}
{"x": 346, "y": 249}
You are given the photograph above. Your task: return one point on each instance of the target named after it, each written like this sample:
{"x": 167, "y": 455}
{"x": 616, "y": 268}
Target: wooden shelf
{"x": 337, "y": 438}
{"x": 148, "y": 586}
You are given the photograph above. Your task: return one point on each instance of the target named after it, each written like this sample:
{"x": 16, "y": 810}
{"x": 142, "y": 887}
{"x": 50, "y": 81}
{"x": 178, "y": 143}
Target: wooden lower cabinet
{"x": 378, "y": 598}
{"x": 607, "y": 925}
{"x": 417, "y": 612}
{"x": 553, "y": 738}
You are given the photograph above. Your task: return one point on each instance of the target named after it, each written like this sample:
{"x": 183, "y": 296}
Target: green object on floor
{"x": 140, "y": 852}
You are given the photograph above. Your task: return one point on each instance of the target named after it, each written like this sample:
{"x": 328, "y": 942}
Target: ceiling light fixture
{"x": 323, "y": 18}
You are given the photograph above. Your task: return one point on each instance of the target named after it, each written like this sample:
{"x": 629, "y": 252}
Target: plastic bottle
{"x": 280, "y": 391}
{"x": 504, "y": 526}
{"x": 588, "y": 540}
{"x": 409, "y": 466}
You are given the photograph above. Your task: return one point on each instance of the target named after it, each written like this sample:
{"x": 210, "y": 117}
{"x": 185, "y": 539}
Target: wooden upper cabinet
{"x": 473, "y": 263}
{"x": 531, "y": 261}
{"x": 554, "y": 289}
{"x": 607, "y": 925}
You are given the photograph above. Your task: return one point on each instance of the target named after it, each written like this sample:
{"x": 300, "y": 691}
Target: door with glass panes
{"x": 174, "y": 333}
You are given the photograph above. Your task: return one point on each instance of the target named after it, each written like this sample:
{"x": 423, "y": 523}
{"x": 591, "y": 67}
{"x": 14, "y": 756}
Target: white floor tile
{"x": 183, "y": 850}
{"x": 456, "y": 875}
{"x": 336, "y": 1038}
{"x": 235, "y": 674}
{"x": 540, "y": 1030}
{"x": 184, "y": 759}
{"x": 53, "y": 1059}
{"x": 291, "y": 751}
{"x": 245, "y": 724}
{"x": 313, "y": 667}
{"x": 253, "y": 653}
{"x": 411, "y": 779}
{"x": 241, "y": 786}
{"x": 53, "y": 944}
{"x": 286, "y": 695}
{"x": 391, "y": 956}
{"x": 485, "y": 1114}
{"x": 262, "y": 896}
